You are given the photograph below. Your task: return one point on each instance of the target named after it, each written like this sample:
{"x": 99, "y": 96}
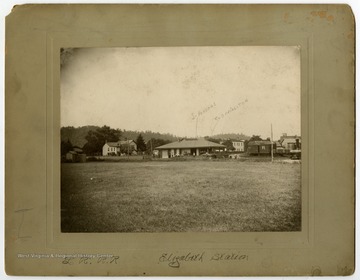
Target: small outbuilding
{"x": 70, "y": 156}
{"x": 73, "y": 156}
{"x": 262, "y": 147}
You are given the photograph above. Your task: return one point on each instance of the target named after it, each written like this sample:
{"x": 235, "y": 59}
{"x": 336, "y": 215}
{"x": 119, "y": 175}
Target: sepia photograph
{"x": 180, "y": 139}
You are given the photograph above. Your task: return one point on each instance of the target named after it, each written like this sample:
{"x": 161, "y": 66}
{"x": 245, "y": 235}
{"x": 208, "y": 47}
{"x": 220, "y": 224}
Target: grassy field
{"x": 180, "y": 196}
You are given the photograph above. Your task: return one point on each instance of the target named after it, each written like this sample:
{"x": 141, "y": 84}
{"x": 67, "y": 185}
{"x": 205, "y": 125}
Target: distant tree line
{"x": 96, "y": 137}
{"x": 77, "y": 135}
{"x": 224, "y": 136}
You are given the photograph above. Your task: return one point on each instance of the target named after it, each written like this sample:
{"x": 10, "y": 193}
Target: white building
{"x": 114, "y": 148}
{"x": 239, "y": 145}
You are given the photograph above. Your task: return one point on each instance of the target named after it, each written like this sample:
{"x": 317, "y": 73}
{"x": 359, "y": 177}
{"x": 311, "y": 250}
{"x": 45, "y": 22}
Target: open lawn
{"x": 157, "y": 196}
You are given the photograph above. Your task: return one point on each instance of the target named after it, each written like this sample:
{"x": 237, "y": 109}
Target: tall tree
{"x": 96, "y": 139}
{"x": 140, "y": 143}
{"x": 246, "y": 145}
{"x": 126, "y": 149}
{"x": 255, "y": 138}
{"x": 155, "y": 142}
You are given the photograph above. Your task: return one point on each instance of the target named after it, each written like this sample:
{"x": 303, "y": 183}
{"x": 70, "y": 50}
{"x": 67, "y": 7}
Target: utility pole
{"x": 272, "y": 145}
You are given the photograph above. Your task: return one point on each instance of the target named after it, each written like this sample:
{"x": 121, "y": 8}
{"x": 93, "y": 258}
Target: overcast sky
{"x": 186, "y": 91}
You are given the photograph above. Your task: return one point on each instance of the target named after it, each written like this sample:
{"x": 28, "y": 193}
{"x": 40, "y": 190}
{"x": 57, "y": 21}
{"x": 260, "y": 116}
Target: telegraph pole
{"x": 272, "y": 145}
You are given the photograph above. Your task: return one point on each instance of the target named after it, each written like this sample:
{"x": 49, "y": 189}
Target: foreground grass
{"x": 180, "y": 196}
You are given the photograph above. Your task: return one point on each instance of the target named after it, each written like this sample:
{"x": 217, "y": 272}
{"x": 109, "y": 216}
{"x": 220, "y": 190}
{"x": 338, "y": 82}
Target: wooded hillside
{"x": 77, "y": 135}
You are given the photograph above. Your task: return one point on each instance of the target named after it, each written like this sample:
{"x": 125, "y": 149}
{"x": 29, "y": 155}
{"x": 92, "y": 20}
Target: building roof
{"x": 78, "y": 150}
{"x": 290, "y": 137}
{"x": 126, "y": 142}
{"x": 113, "y": 144}
{"x": 119, "y": 143}
{"x": 188, "y": 144}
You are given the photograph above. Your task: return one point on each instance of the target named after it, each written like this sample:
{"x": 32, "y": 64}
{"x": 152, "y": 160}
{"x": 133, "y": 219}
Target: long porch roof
{"x": 190, "y": 144}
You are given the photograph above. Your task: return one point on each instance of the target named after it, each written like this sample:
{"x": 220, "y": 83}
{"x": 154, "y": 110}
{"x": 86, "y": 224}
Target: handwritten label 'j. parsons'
{"x": 203, "y": 111}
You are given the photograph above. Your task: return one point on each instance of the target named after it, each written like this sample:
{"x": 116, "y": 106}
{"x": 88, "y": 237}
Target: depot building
{"x": 194, "y": 147}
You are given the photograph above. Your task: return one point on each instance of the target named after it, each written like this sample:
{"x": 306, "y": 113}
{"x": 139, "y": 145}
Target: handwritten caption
{"x": 71, "y": 259}
{"x": 230, "y": 110}
{"x": 203, "y": 111}
{"x": 175, "y": 260}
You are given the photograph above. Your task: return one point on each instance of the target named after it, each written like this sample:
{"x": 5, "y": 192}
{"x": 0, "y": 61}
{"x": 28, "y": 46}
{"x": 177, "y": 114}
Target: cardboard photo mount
{"x": 34, "y": 244}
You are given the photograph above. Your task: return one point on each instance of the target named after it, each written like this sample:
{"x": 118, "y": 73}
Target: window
{"x": 262, "y": 147}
